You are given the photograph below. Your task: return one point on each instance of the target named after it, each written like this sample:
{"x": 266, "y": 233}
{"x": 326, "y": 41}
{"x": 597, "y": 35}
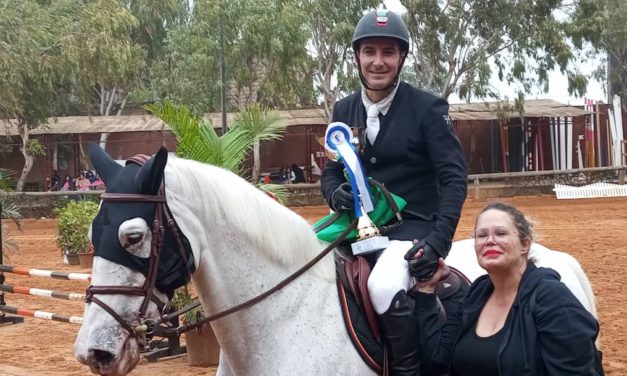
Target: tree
{"x": 262, "y": 125}
{"x": 456, "y": 45}
{"x": 33, "y": 74}
{"x": 266, "y": 58}
{"x": 331, "y": 25}
{"x": 198, "y": 140}
{"x": 105, "y": 62}
{"x": 602, "y": 24}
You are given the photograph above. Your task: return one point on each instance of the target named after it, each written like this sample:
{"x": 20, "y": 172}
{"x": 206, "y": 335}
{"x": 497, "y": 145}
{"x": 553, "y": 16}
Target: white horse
{"x": 243, "y": 243}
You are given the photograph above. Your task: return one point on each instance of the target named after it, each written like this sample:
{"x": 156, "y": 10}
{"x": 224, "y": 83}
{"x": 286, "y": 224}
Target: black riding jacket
{"x": 416, "y": 156}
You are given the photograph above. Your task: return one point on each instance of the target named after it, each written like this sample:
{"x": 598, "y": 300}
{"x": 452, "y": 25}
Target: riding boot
{"x": 400, "y": 335}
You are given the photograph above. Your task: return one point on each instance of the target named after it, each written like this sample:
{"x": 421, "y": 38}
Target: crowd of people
{"x": 87, "y": 180}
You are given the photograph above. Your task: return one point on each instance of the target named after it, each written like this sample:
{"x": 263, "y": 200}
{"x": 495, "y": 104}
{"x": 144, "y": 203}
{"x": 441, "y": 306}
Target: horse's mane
{"x": 281, "y": 234}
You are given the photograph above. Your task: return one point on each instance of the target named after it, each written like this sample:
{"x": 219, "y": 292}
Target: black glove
{"x": 422, "y": 268}
{"x": 342, "y": 197}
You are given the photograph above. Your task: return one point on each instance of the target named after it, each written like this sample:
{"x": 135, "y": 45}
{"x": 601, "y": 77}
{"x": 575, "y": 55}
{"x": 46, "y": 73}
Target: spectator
{"x": 297, "y": 175}
{"x": 82, "y": 183}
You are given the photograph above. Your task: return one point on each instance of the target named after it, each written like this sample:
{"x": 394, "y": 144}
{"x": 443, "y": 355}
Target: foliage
{"x": 7, "y": 180}
{"x": 457, "y": 44}
{"x": 602, "y": 24}
{"x": 331, "y": 24}
{"x": 182, "y": 298}
{"x": 262, "y": 125}
{"x": 102, "y": 56}
{"x": 264, "y": 51}
{"x": 73, "y": 221}
{"x": 197, "y": 139}
{"x": 9, "y": 211}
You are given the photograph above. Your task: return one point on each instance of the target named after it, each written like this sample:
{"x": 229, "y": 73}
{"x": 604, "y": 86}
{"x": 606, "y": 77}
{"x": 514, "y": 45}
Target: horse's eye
{"x": 134, "y": 238}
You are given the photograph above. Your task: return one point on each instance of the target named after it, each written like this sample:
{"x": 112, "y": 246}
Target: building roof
{"x": 143, "y": 123}
{"x": 315, "y": 116}
{"x": 534, "y": 108}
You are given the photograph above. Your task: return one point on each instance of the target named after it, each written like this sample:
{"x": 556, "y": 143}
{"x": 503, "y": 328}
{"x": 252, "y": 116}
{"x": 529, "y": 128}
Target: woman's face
{"x": 497, "y": 242}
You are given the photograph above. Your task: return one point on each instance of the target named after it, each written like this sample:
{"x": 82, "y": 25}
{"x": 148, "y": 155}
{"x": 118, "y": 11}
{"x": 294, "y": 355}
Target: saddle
{"x": 360, "y": 318}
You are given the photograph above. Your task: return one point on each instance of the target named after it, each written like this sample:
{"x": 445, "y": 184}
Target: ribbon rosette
{"x": 337, "y": 143}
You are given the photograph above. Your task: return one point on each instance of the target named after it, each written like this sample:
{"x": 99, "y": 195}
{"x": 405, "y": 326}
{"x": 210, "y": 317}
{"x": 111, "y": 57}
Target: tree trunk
{"x": 28, "y": 158}
{"x": 256, "y": 163}
{"x": 111, "y": 95}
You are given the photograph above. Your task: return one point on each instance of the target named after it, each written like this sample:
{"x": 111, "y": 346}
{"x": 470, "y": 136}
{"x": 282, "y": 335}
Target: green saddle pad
{"x": 381, "y": 215}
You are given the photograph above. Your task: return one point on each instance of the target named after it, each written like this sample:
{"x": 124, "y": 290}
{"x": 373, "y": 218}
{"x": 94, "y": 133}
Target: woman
{"x": 516, "y": 320}
{"x": 82, "y": 183}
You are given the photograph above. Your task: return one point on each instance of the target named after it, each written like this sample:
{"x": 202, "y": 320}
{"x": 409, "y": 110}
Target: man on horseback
{"x": 410, "y": 147}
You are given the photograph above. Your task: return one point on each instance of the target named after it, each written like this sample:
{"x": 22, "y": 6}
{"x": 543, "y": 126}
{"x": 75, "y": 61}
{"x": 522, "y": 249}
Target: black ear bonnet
{"x": 172, "y": 271}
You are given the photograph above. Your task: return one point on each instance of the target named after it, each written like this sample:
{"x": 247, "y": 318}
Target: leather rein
{"x": 163, "y": 217}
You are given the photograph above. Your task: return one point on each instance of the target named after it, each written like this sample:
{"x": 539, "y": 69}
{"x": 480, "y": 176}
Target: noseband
{"x": 162, "y": 216}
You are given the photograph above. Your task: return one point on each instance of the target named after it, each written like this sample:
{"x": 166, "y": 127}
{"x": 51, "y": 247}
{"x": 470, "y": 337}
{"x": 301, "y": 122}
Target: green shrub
{"x": 73, "y": 221}
{"x": 182, "y": 298}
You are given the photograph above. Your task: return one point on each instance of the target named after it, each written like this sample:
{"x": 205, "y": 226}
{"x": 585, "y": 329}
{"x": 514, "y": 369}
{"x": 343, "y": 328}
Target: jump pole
{"x": 41, "y": 292}
{"x": 45, "y": 273}
{"x": 4, "y": 319}
{"x": 42, "y": 315}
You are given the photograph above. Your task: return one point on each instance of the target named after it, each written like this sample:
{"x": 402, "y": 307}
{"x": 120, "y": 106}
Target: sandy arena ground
{"x": 592, "y": 230}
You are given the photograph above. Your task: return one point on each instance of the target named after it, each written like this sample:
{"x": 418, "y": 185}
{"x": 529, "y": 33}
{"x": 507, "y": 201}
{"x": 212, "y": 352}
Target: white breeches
{"x": 389, "y": 275}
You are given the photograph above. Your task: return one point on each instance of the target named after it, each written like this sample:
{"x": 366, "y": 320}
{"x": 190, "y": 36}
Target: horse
{"x": 236, "y": 243}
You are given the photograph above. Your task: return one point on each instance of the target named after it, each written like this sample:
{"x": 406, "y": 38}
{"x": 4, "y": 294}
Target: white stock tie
{"x": 372, "y": 123}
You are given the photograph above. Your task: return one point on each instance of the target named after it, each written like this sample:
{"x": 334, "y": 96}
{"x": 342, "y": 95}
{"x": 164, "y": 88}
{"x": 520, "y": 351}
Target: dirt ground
{"x": 592, "y": 230}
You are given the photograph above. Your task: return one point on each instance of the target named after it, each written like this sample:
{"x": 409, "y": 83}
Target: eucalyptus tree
{"x": 105, "y": 61}
{"x": 331, "y": 24}
{"x": 602, "y": 24}
{"x": 33, "y": 72}
{"x": 264, "y": 49}
{"x": 458, "y": 44}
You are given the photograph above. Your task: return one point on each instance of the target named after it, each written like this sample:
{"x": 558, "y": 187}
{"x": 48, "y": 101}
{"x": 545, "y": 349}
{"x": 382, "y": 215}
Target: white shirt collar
{"x": 384, "y": 104}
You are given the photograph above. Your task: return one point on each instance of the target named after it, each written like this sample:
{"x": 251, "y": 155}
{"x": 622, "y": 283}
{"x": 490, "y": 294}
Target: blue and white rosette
{"x": 337, "y": 142}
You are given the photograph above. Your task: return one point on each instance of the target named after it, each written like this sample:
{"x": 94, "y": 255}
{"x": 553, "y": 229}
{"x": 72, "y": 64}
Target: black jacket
{"x": 417, "y": 156}
{"x": 548, "y": 331}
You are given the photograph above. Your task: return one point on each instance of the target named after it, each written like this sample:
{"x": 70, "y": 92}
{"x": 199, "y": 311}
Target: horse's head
{"x": 140, "y": 258}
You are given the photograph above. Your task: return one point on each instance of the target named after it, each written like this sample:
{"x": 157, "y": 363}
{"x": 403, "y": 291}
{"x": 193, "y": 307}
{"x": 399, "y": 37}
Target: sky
{"x": 558, "y": 84}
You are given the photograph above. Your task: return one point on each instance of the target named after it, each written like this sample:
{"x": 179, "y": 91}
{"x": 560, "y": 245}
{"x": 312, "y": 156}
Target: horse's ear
{"x": 105, "y": 166}
{"x": 149, "y": 178}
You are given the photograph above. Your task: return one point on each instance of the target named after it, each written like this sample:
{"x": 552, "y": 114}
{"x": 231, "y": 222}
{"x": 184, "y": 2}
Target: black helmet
{"x": 381, "y": 23}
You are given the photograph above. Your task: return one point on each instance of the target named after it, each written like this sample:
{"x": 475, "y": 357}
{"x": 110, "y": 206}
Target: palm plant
{"x": 9, "y": 210}
{"x": 198, "y": 140}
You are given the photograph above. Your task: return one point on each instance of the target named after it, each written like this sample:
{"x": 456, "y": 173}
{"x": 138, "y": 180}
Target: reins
{"x": 161, "y": 331}
{"x": 155, "y": 328}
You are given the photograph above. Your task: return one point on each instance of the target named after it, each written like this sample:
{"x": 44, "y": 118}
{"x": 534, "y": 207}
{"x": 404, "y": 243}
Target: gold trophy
{"x": 369, "y": 237}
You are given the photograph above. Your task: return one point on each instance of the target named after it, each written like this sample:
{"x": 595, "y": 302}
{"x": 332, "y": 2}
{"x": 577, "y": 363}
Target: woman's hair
{"x": 523, "y": 225}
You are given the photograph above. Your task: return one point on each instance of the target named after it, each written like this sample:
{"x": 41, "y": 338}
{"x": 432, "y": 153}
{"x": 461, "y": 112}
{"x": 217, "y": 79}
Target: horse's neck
{"x": 231, "y": 278}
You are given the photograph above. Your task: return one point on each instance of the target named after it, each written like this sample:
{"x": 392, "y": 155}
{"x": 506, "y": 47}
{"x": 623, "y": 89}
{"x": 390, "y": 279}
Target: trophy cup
{"x": 341, "y": 143}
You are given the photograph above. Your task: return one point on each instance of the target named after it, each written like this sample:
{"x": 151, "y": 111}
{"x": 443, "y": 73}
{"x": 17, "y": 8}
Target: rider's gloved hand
{"x": 342, "y": 197}
{"x": 424, "y": 267}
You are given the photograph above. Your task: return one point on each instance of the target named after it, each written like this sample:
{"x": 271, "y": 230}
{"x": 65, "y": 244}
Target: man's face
{"x": 379, "y": 59}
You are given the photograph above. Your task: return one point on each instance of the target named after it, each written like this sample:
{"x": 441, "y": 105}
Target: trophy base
{"x": 369, "y": 245}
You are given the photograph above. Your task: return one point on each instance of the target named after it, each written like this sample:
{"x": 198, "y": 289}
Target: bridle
{"x": 164, "y": 217}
